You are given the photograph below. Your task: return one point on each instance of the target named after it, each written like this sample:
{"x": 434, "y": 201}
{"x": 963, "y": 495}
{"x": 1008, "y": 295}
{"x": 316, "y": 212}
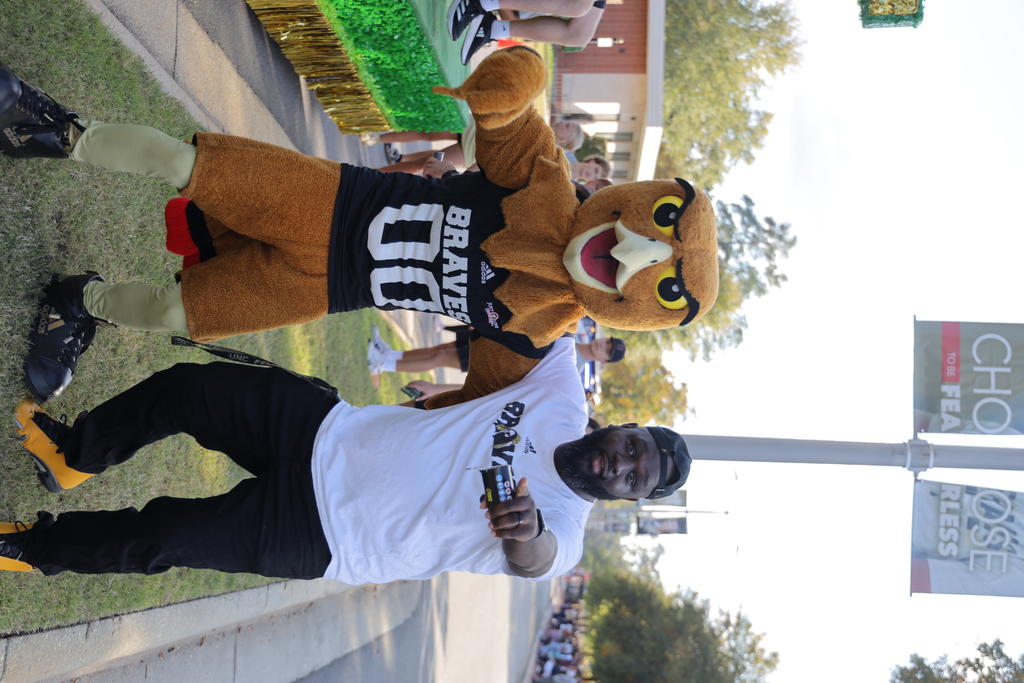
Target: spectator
{"x": 570, "y": 23}
{"x": 461, "y": 153}
{"x": 382, "y": 358}
{"x": 591, "y": 168}
{"x": 570, "y": 137}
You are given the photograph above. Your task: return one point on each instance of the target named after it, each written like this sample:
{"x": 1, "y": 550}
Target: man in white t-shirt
{"x": 359, "y": 495}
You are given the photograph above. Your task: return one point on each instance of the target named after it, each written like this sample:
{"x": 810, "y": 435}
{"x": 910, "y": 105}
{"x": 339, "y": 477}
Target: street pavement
{"x": 216, "y": 59}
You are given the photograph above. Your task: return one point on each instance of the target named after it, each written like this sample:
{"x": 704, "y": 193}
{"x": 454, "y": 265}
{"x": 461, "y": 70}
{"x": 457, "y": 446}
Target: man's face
{"x": 587, "y": 170}
{"x": 563, "y": 132}
{"x": 610, "y": 463}
{"x": 602, "y": 349}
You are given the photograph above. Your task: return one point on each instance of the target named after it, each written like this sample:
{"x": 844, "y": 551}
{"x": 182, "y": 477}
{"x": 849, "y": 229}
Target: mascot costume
{"x": 272, "y": 237}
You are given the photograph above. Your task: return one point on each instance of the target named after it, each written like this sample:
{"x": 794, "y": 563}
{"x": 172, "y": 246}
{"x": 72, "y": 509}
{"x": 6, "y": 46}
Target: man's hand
{"x": 515, "y": 523}
{"x": 435, "y": 168}
{"x": 429, "y": 388}
{"x": 515, "y": 520}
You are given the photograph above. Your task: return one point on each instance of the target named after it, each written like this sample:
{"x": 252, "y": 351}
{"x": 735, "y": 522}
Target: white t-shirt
{"x": 397, "y": 499}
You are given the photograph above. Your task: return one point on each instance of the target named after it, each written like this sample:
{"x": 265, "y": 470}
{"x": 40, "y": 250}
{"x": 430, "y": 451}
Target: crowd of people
{"x": 593, "y": 171}
{"x": 559, "y": 651}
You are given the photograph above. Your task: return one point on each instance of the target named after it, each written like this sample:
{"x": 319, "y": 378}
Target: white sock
{"x": 390, "y": 361}
{"x": 499, "y": 30}
{"x": 489, "y": 5}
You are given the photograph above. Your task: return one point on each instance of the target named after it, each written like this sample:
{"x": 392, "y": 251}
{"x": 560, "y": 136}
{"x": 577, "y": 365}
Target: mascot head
{"x": 644, "y": 255}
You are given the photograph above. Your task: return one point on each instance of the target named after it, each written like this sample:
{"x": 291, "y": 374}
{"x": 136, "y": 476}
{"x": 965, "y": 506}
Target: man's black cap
{"x": 670, "y": 445}
{"x": 618, "y": 350}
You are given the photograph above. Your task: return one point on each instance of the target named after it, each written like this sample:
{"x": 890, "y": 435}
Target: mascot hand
{"x": 502, "y": 87}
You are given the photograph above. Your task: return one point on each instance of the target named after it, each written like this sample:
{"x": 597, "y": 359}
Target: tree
{"x": 638, "y": 632}
{"x": 591, "y": 146}
{"x": 749, "y": 253}
{"x": 992, "y": 665}
{"x": 719, "y": 54}
{"x": 639, "y": 389}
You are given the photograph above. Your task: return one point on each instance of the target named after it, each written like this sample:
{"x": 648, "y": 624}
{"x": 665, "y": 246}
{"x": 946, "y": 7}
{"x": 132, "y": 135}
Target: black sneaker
{"x": 32, "y": 124}
{"x": 14, "y": 537}
{"x": 391, "y": 153}
{"x": 12, "y": 547}
{"x": 61, "y": 333}
{"x": 460, "y": 14}
{"x": 479, "y": 34}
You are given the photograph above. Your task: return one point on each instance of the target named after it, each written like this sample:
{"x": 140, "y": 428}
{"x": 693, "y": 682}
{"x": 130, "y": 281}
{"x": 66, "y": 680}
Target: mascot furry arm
{"x": 510, "y": 137}
{"x": 638, "y": 256}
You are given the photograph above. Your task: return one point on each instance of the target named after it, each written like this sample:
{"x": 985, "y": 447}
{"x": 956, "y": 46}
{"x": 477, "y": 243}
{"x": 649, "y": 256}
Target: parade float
{"x": 369, "y": 62}
{"x": 886, "y": 13}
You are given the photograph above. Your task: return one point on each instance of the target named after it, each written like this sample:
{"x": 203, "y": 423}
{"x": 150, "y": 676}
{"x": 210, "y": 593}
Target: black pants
{"x": 264, "y": 419}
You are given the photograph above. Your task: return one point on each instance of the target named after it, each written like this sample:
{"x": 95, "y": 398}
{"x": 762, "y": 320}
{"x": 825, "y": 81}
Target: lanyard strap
{"x": 250, "y": 359}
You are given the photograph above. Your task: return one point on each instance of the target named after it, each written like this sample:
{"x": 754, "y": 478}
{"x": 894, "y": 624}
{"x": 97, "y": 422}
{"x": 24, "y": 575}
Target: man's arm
{"x": 492, "y": 366}
{"x": 515, "y": 522}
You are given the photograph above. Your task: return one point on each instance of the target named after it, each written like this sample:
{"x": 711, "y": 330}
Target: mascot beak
{"x": 635, "y": 252}
{"x": 608, "y": 255}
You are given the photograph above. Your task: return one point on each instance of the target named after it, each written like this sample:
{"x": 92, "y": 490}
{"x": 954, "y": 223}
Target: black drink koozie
{"x": 499, "y": 487}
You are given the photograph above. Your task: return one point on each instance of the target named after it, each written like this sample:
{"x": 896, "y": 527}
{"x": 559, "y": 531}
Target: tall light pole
{"x": 916, "y": 455}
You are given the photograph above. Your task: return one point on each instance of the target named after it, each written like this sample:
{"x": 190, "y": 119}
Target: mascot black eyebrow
{"x": 272, "y": 237}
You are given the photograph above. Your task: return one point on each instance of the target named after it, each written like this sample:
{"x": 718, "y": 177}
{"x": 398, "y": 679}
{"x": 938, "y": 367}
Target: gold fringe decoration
{"x": 892, "y": 7}
{"x": 307, "y": 40}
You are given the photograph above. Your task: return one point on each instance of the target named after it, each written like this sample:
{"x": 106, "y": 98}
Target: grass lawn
{"x": 56, "y": 216}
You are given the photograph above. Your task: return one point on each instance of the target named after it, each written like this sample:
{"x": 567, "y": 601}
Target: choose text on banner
{"x": 967, "y": 540}
{"x": 968, "y": 377}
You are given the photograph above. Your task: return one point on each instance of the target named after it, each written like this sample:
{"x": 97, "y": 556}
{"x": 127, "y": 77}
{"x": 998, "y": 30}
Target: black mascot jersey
{"x": 404, "y": 241}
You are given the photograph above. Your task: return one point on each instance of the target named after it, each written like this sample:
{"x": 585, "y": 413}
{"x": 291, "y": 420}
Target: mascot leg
{"x": 267, "y": 193}
{"x": 252, "y": 286}
{"x": 137, "y": 305}
{"x": 136, "y": 149}
{"x": 261, "y": 191}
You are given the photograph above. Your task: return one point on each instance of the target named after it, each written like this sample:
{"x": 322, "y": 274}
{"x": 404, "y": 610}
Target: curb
{"x": 255, "y": 109}
{"x": 62, "y": 653}
{"x": 166, "y": 80}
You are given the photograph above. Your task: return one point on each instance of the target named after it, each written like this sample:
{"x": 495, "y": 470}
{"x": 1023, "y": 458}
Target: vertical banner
{"x": 967, "y": 540}
{"x": 968, "y": 378}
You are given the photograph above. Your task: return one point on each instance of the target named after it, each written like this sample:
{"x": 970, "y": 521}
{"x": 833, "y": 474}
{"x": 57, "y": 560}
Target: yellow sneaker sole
{"x": 54, "y": 472}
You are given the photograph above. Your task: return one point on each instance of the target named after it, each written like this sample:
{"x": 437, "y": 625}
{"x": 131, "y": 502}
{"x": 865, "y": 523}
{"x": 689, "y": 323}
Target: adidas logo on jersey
{"x": 486, "y": 273}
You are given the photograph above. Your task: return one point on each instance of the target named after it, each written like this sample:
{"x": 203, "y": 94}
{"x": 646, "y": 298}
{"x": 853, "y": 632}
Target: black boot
{"x": 32, "y": 124}
{"x": 61, "y": 333}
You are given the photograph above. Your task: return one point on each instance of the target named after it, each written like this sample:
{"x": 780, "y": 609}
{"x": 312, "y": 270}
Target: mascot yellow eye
{"x": 666, "y": 213}
{"x": 669, "y": 291}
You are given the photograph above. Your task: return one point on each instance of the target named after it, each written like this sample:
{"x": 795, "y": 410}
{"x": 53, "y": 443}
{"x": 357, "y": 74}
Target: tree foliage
{"x": 639, "y": 389}
{"x": 638, "y": 632}
{"x": 592, "y": 145}
{"x": 718, "y": 56}
{"x": 992, "y": 665}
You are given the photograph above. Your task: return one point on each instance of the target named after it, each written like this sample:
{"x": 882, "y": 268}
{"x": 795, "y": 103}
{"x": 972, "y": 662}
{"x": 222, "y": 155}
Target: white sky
{"x": 896, "y": 155}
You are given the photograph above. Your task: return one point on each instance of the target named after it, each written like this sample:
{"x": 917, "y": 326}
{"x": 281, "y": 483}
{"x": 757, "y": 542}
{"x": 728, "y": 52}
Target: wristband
{"x": 541, "y": 527}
